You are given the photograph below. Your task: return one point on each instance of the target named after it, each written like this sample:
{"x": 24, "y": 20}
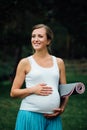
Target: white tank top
{"x": 37, "y": 75}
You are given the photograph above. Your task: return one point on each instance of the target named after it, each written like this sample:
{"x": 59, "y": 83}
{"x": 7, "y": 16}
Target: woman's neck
{"x": 41, "y": 54}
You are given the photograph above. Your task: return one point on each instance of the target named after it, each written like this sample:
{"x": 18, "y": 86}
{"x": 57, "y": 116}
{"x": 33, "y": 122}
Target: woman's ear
{"x": 48, "y": 43}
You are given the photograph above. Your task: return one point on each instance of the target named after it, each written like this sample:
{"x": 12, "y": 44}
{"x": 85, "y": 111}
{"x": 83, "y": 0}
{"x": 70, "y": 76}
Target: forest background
{"x": 68, "y": 20}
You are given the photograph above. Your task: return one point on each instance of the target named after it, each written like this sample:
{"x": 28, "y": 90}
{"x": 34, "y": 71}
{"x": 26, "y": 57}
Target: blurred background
{"x": 68, "y": 20}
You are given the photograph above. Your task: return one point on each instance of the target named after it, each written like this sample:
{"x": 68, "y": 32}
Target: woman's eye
{"x": 40, "y": 36}
{"x": 33, "y": 36}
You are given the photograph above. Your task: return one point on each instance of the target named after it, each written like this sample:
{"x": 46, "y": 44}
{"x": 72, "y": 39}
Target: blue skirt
{"x": 27, "y": 120}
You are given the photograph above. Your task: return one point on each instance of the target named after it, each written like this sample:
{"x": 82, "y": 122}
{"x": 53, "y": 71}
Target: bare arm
{"x": 62, "y": 81}
{"x": 16, "y": 91}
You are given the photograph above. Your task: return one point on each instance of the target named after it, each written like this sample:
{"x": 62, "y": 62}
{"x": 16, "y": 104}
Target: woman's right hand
{"x": 42, "y": 89}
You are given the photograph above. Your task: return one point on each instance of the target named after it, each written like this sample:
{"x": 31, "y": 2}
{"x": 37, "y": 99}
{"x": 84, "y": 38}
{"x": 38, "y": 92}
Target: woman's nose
{"x": 36, "y": 38}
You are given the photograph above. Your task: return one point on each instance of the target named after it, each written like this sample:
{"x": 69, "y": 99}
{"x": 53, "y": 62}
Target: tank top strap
{"x": 31, "y": 61}
{"x": 29, "y": 58}
{"x": 55, "y": 61}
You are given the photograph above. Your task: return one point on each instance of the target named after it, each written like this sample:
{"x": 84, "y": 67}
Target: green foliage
{"x": 67, "y": 19}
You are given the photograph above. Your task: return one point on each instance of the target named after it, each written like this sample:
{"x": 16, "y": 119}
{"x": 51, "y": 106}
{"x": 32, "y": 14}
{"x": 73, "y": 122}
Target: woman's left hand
{"x": 57, "y": 112}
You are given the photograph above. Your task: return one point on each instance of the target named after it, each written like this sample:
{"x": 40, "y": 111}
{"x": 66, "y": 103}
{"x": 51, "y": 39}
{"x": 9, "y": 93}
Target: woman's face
{"x": 39, "y": 39}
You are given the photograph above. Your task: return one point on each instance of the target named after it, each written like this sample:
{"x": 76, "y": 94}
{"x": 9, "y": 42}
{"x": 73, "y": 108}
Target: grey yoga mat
{"x": 71, "y": 89}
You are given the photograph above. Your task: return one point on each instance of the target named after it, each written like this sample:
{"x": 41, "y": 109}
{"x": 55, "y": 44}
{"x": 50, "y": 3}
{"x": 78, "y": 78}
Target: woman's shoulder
{"x": 24, "y": 60}
{"x": 60, "y": 62}
{"x": 24, "y": 64}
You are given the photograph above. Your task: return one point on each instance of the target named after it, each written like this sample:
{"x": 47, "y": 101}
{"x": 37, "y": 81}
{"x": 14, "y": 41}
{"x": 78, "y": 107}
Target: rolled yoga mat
{"x": 71, "y": 89}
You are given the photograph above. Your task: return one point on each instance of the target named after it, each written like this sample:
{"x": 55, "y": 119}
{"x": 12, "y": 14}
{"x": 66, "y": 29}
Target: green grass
{"x": 8, "y": 107}
{"x": 74, "y": 117}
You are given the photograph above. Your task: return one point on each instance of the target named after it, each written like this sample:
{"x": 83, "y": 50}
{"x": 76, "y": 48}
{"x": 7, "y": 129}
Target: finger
{"x": 43, "y": 84}
{"x": 44, "y": 93}
{"x": 50, "y": 116}
{"x": 47, "y": 88}
{"x": 57, "y": 110}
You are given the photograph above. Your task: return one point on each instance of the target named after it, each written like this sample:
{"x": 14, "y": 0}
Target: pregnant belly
{"x": 43, "y": 104}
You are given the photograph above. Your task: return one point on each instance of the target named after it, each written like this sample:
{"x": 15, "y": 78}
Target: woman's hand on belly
{"x": 55, "y": 113}
{"x": 42, "y": 89}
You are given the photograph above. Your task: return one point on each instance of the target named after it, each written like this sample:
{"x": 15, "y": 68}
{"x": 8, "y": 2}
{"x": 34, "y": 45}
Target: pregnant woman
{"x": 42, "y": 72}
